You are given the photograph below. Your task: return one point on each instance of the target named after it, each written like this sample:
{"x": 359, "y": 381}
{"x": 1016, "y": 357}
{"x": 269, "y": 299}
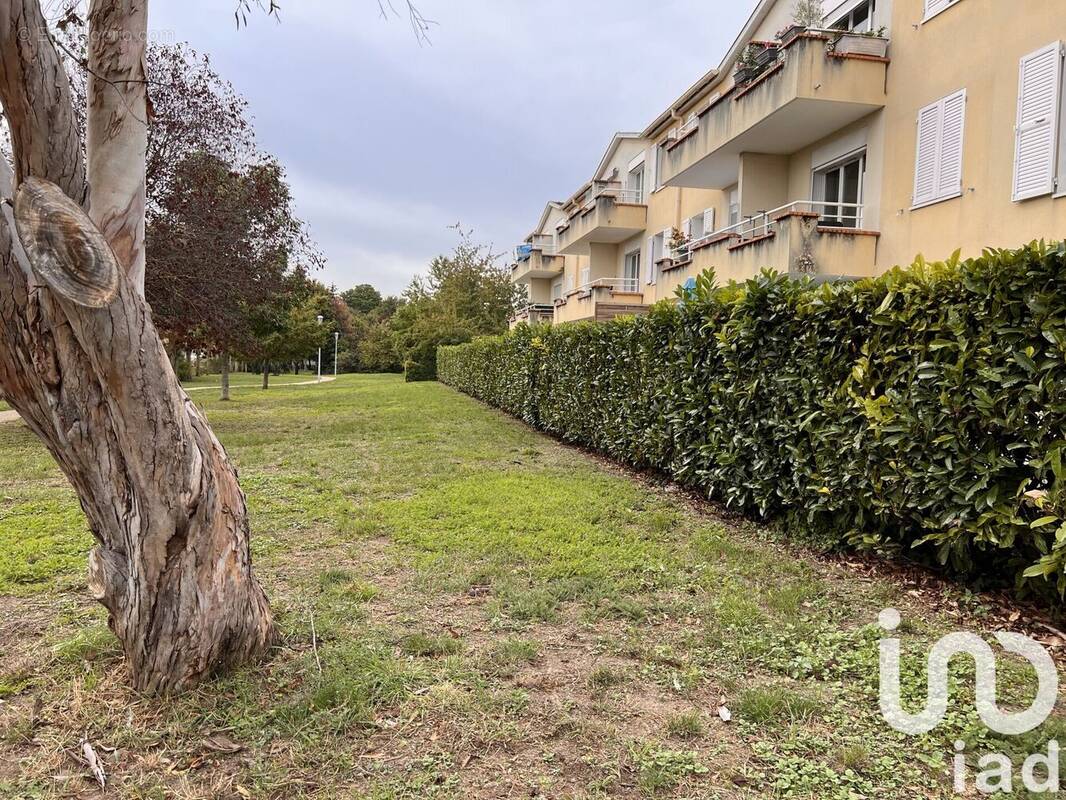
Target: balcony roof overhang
{"x": 798, "y": 124}
{"x": 537, "y": 267}
{"x": 601, "y": 234}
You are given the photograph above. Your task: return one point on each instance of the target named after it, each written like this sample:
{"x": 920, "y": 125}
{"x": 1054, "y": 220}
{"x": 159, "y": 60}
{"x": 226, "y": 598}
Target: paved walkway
{"x": 12, "y": 416}
{"x": 325, "y": 379}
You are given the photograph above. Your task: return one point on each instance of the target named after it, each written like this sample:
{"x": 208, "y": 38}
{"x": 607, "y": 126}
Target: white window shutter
{"x": 952, "y": 125}
{"x": 1036, "y": 131}
{"x": 686, "y": 227}
{"x": 649, "y": 261}
{"x": 934, "y": 7}
{"x": 708, "y": 222}
{"x": 925, "y": 159}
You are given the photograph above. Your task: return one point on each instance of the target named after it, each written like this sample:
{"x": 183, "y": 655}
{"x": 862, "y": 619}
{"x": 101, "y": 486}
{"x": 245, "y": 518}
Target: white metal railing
{"x": 616, "y": 192}
{"x": 844, "y": 215}
{"x": 631, "y": 285}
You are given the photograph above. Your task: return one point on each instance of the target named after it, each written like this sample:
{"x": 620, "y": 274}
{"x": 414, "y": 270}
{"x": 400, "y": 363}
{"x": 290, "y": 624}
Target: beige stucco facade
{"x": 922, "y": 130}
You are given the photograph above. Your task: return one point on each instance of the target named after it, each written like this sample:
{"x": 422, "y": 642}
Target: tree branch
{"x": 36, "y": 98}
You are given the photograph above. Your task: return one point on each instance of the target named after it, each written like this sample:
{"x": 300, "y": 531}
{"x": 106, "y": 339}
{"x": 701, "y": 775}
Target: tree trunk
{"x": 224, "y": 359}
{"x": 266, "y": 376}
{"x": 117, "y": 129}
{"x": 82, "y": 363}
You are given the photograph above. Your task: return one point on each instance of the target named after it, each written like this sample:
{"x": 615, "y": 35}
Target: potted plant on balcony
{"x": 745, "y": 67}
{"x": 806, "y": 14}
{"x": 866, "y": 43}
{"x": 767, "y": 55}
{"x": 679, "y": 246}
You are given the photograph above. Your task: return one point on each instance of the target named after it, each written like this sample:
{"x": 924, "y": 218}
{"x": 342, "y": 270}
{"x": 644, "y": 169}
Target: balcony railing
{"x": 840, "y": 215}
{"x": 617, "y": 192}
{"x": 524, "y": 251}
{"x": 535, "y": 312}
{"x": 628, "y": 285}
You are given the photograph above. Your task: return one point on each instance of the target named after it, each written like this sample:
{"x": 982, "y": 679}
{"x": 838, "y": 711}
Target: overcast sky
{"x": 387, "y": 143}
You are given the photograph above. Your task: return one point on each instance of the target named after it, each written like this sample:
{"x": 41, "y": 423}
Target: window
{"x": 694, "y": 227}
{"x": 938, "y": 154}
{"x": 585, "y": 279}
{"x": 653, "y": 254}
{"x": 934, "y": 7}
{"x": 660, "y": 165}
{"x": 734, "y": 206}
{"x": 631, "y": 271}
{"x": 1037, "y": 149}
{"x": 635, "y": 184}
{"x": 839, "y": 187}
{"x": 557, "y": 290}
{"x": 859, "y": 19}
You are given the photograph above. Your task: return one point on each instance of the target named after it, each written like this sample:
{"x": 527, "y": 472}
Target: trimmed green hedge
{"x": 923, "y": 410}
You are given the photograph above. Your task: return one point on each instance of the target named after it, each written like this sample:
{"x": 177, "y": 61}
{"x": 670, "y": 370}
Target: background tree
{"x": 221, "y": 240}
{"x": 363, "y": 298}
{"x": 286, "y": 328}
{"x": 466, "y": 294}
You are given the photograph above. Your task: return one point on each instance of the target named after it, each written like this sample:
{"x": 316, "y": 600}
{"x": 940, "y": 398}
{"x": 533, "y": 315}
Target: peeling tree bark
{"x": 117, "y": 128}
{"x": 81, "y": 361}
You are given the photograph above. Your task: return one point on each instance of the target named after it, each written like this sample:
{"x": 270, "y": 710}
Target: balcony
{"x": 601, "y": 300}
{"x": 803, "y": 94}
{"x": 538, "y": 259}
{"x": 610, "y": 215}
{"x": 806, "y": 237}
{"x": 534, "y": 314}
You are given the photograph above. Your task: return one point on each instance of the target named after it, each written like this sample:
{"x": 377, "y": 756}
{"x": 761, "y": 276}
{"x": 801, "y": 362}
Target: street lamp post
{"x": 320, "y": 318}
{"x": 336, "y": 344}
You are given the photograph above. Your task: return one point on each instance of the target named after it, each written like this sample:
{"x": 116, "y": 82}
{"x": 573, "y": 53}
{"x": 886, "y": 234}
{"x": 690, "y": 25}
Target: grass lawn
{"x": 495, "y": 615}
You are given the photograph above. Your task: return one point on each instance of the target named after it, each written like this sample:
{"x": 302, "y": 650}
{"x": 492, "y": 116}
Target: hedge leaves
{"x": 924, "y": 410}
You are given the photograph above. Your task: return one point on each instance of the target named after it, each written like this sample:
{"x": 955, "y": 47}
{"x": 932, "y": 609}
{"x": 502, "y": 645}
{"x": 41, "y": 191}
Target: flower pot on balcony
{"x": 790, "y": 33}
{"x": 743, "y": 75}
{"x": 766, "y": 57}
{"x": 861, "y": 44}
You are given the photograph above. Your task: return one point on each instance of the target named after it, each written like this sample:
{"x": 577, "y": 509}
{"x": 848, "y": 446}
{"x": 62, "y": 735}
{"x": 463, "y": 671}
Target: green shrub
{"x": 922, "y": 411}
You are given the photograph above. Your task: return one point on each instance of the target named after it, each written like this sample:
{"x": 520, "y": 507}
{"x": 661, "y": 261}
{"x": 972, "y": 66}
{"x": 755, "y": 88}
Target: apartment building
{"x": 839, "y": 149}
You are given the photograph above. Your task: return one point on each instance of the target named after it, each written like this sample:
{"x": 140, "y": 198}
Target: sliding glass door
{"x": 838, "y": 188}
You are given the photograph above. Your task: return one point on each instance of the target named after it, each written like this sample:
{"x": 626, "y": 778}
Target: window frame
{"x": 838, "y": 164}
{"x": 637, "y": 256}
{"x": 850, "y": 14}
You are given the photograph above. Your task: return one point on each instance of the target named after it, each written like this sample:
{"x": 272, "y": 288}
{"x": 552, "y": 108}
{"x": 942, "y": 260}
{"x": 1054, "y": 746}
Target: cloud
{"x": 387, "y": 143}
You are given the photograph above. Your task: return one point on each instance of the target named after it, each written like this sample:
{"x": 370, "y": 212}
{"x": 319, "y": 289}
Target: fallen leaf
{"x": 222, "y": 744}
{"x": 95, "y": 767}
